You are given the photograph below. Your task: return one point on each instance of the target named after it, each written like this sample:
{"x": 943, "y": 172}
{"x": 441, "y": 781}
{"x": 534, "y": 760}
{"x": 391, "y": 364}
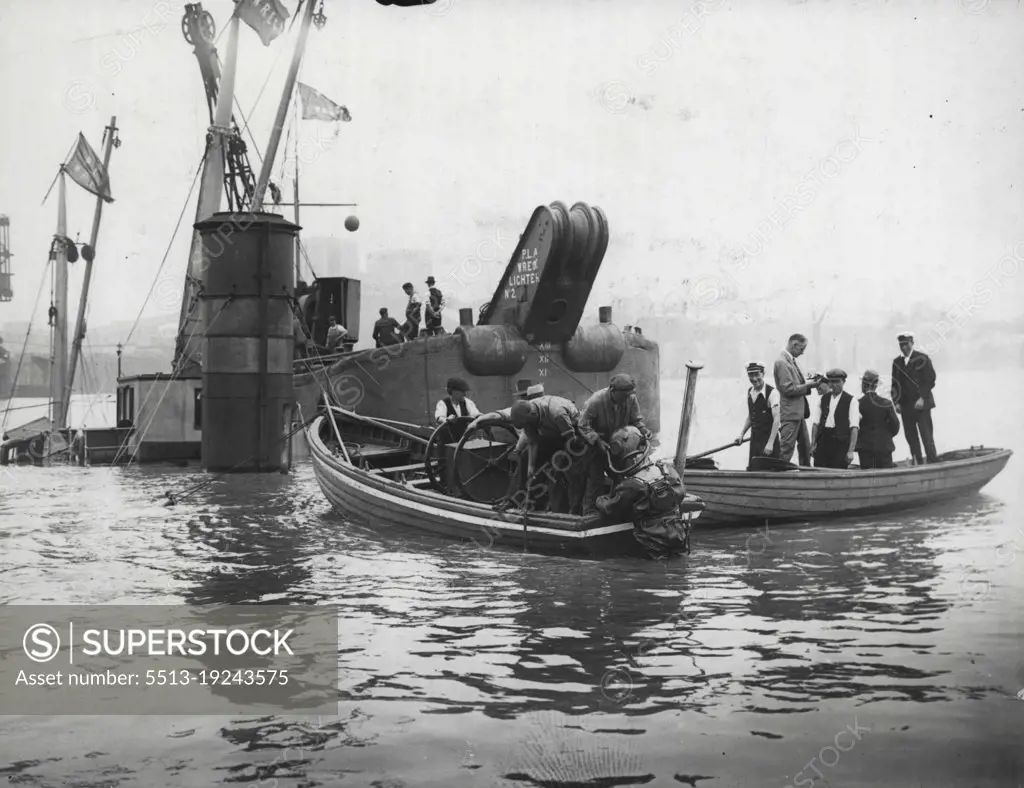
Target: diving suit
{"x": 648, "y": 492}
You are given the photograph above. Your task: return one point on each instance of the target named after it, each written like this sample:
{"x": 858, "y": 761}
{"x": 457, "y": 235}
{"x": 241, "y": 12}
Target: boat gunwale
{"x": 834, "y": 474}
{"x": 409, "y": 497}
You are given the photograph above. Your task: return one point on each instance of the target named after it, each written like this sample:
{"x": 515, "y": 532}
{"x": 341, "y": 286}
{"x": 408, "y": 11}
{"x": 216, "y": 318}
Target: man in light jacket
{"x": 793, "y": 389}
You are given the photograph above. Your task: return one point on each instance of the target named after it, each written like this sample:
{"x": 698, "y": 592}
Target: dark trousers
{"x": 874, "y": 459}
{"x": 595, "y": 464}
{"x": 830, "y": 450}
{"x": 432, "y": 326}
{"x": 560, "y": 486}
{"x": 758, "y": 439}
{"x": 913, "y": 421}
{"x": 410, "y": 330}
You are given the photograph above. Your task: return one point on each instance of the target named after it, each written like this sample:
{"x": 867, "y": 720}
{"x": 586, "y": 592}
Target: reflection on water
{"x": 741, "y": 665}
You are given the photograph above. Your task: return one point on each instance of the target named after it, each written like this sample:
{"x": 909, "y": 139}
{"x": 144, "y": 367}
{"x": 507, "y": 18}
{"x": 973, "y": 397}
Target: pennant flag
{"x": 316, "y": 106}
{"x": 266, "y": 17}
{"x": 86, "y": 169}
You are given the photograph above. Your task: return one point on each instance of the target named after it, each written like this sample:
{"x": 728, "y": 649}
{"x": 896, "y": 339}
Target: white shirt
{"x": 773, "y": 402}
{"x": 830, "y": 420}
{"x": 335, "y": 334}
{"x": 441, "y": 411}
{"x": 773, "y": 399}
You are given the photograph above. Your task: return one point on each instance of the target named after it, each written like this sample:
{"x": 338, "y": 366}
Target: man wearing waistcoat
{"x": 456, "y": 403}
{"x": 763, "y": 416}
{"x": 913, "y": 378}
{"x": 879, "y": 424}
{"x": 435, "y": 303}
{"x": 793, "y": 390}
{"x": 836, "y": 424}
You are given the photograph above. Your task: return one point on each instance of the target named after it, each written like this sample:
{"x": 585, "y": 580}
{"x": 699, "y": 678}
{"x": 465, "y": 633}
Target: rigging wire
{"x": 21, "y": 359}
{"x": 177, "y": 225}
{"x": 163, "y": 395}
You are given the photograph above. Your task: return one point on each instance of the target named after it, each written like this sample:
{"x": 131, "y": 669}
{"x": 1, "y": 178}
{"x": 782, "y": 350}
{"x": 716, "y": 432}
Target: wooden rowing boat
{"x": 378, "y": 474}
{"x": 754, "y": 497}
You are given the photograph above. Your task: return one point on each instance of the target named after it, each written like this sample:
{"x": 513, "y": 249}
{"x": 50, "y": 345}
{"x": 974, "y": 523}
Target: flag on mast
{"x": 266, "y": 17}
{"x": 86, "y": 169}
{"x": 316, "y": 106}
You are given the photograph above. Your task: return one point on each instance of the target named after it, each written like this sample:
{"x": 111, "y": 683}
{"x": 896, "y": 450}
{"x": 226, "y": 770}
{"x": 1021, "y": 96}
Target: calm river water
{"x": 882, "y": 652}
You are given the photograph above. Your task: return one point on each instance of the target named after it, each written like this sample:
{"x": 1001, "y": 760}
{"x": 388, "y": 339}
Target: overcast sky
{"x": 877, "y": 147}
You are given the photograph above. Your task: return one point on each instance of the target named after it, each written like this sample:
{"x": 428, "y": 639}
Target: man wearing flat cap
{"x": 793, "y": 409}
{"x": 836, "y": 424}
{"x": 456, "y": 403}
{"x": 603, "y": 414}
{"x": 913, "y": 378}
{"x": 763, "y": 416}
{"x": 879, "y": 424}
{"x": 434, "y": 305}
{"x": 546, "y": 427}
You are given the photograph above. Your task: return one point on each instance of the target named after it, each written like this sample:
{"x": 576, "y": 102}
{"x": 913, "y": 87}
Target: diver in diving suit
{"x": 649, "y": 493}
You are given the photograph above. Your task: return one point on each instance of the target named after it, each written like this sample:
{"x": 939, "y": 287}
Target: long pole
{"x": 59, "y": 364}
{"x": 76, "y": 348}
{"x": 298, "y": 243}
{"x": 282, "y": 109}
{"x": 687, "y": 416}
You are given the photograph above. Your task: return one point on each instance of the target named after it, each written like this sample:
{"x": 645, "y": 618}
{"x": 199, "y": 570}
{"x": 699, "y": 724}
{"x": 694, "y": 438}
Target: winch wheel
{"x": 435, "y": 463}
{"x": 500, "y": 433}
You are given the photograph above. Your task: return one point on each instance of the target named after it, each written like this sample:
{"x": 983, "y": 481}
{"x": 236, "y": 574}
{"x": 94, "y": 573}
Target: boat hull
{"x": 356, "y": 493}
{"x": 754, "y": 498}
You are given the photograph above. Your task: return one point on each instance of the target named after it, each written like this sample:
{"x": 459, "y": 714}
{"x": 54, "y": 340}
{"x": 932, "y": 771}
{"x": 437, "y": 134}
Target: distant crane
{"x": 6, "y": 285}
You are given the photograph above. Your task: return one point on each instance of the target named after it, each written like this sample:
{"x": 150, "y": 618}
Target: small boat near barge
{"x": 759, "y": 497}
{"x": 379, "y": 473}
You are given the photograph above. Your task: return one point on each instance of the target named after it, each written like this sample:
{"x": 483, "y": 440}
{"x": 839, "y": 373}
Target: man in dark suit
{"x": 794, "y": 410}
{"x": 913, "y": 378}
{"x": 878, "y": 425}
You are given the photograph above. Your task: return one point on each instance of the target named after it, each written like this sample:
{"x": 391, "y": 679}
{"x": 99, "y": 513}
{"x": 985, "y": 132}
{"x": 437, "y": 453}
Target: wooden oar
{"x": 715, "y": 451}
{"x": 381, "y": 424}
{"x": 405, "y": 424}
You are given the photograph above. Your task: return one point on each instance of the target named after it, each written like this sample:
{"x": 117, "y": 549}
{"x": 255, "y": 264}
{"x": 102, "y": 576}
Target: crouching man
{"x": 650, "y": 494}
{"x": 549, "y": 437}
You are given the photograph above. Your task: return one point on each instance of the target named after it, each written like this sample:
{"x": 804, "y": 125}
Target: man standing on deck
{"x": 913, "y": 378}
{"x": 793, "y": 410}
{"x": 605, "y": 413}
{"x": 879, "y": 424}
{"x": 836, "y": 424}
{"x": 413, "y": 312}
{"x": 763, "y": 416}
{"x": 336, "y": 334}
{"x": 386, "y": 330}
{"x": 435, "y": 303}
